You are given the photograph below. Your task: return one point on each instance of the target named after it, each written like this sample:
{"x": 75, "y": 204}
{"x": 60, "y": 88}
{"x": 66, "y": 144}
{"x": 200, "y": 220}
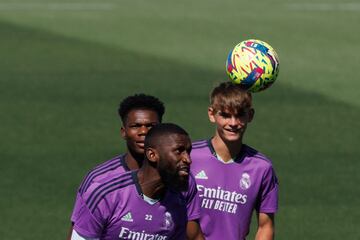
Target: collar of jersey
{"x": 238, "y": 159}
{"x": 147, "y": 199}
{"x": 123, "y": 162}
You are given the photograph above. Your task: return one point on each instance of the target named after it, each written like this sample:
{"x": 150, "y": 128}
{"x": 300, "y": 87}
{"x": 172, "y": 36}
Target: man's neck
{"x": 151, "y": 183}
{"x": 227, "y": 151}
{"x": 133, "y": 161}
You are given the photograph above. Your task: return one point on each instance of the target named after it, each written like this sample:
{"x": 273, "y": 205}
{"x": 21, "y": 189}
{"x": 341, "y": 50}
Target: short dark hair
{"x": 141, "y": 101}
{"x": 151, "y": 138}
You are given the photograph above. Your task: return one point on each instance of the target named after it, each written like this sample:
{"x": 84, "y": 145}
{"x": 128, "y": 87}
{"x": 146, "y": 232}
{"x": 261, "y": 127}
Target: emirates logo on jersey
{"x": 245, "y": 182}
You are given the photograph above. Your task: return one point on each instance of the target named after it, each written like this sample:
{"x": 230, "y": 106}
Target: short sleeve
{"x": 193, "y": 200}
{"x": 86, "y": 223}
{"x": 268, "y": 202}
{"x": 77, "y": 205}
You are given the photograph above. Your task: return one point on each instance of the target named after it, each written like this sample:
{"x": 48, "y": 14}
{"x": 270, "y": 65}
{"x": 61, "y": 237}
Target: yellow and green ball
{"x": 254, "y": 64}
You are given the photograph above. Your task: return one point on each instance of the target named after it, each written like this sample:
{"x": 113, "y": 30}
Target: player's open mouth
{"x": 184, "y": 171}
{"x": 238, "y": 130}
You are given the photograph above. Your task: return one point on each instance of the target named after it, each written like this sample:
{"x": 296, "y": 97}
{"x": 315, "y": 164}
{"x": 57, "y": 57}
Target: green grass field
{"x": 65, "y": 66}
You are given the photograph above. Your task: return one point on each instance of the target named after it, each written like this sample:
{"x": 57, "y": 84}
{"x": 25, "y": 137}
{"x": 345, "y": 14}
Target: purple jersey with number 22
{"x": 109, "y": 180}
{"x": 113, "y": 208}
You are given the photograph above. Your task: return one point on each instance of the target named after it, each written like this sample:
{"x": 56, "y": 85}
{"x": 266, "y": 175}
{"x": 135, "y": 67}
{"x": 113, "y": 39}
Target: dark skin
{"x": 170, "y": 159}
{"x": 173, "y": 156}
{"x": 135, "y": 127}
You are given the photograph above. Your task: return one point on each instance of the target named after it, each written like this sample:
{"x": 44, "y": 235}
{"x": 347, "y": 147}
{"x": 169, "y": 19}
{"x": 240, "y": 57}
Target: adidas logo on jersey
{"x": 127, "y": 217}
{"x": 201, "y": 175}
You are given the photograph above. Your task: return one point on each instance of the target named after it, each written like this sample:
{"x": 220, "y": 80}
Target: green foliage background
{"x": 66, "y": 65}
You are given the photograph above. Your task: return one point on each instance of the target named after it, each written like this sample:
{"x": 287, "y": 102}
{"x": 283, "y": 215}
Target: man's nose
{"x": 186, "y": 158}
{"x": 234, "y": 120}
{"x": 143, "y": 129}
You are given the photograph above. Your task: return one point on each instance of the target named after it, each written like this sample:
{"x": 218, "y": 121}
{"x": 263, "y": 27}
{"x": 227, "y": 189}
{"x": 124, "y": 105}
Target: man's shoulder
{"x": 111, "y": 163}
{"x": 101, "y": 188}
{"x": 256, "y": 156}
{"x": 200, "y": 143}
{"x": 111, "y": 167}
{"x": 112, "y": 182}
{"x": 200, "y": 147}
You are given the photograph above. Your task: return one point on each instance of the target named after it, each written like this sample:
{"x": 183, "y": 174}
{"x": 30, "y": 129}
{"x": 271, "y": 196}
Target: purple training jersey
{"x": 117, "y": 166}
{"x": 113, "y": 208}
{"x": 229, "y": 192}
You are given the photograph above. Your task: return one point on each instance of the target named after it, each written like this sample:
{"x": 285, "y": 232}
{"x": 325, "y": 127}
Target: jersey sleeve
{"x": 76, "y": 208}
{"x": 108, "y": 168}
{"x": 86, "y": 223}
{"x": 193, "y": 200}
{"x": 268, "y": 202}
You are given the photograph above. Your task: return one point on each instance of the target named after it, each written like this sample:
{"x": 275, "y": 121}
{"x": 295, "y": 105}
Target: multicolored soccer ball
{"x": 254, "y": 64}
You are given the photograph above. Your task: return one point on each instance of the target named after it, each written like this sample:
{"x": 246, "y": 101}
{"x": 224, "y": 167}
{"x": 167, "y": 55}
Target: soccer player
{"x": 233, "y": 179}
{"x": 143, "y": 204}
{"x": 139, "y": 113}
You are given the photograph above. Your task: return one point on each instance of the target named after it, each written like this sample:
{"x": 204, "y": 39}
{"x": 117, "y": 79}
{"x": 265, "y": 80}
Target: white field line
{"x": 56, "y": 6}
{"x": 324, "y": 6}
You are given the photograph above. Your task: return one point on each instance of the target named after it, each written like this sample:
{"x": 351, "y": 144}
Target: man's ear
{"x": 123, "y": 132}
{"x": 211, "y": 114}
{"x": 152, "y": 155}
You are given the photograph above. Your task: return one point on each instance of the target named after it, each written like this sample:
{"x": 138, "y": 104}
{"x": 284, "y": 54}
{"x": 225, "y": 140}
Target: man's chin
{"x": 180, "y": 185}
{"x": 136, "y": 150}
{"x": 183, "y": 187}
{"x": 232, "y": 137}
{"x": 139, "y": 150}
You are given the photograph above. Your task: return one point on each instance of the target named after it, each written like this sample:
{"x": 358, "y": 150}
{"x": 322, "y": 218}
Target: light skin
{"x": 135, "y": 127}
{"x": 230, "y": 129}
{"x": 227, "y": 142}
{"x": 266, "y": 227}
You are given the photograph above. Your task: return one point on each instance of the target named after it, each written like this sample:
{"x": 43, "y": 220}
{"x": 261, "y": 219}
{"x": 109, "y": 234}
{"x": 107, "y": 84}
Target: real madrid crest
{"x": 168, "y": 221}
{"x": 245, "y": 182}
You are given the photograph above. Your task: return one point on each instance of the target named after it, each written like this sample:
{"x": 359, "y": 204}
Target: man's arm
{"x": 70, "y": 232}
{"x": 193, "y": 231}
{"x": 266, "y": 226}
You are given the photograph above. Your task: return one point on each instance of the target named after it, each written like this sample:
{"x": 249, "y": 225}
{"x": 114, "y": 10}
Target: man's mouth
{"x": 140, "y": 144}
{"x": 233, "y": 130}
{"x": 184, "y": 171}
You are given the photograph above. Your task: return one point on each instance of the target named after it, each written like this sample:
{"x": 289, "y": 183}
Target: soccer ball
{"x": 254, "y": 64}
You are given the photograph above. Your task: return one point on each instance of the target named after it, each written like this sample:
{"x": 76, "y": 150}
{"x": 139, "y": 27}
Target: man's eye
{"x": 179, "y": 150}
{"x": 224, "y": 115}
{"x": 241, "y": 114}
